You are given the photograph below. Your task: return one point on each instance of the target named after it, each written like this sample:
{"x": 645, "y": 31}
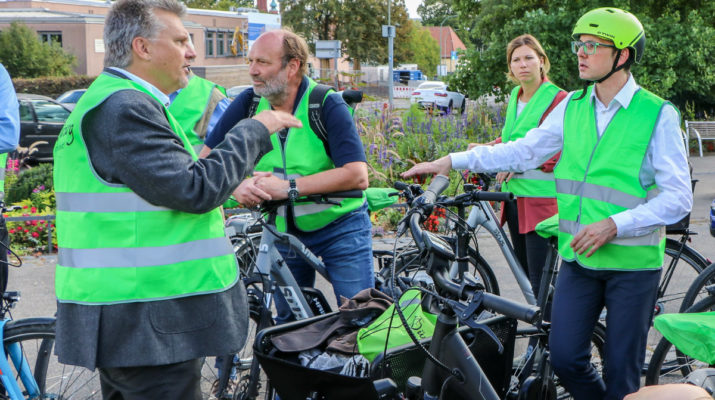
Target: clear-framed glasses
{"x": 589, "y": 47}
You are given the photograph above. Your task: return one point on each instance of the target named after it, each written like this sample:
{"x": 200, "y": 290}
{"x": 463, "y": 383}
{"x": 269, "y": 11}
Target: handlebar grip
{"x": 399, "y": 185}
{"x": 493, "y": 196}
{"x": 436, "y": 187}
{"x": 510, "y": 308}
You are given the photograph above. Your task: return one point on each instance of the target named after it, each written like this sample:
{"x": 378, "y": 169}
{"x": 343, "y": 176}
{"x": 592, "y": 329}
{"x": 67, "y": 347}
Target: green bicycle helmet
{"x": 616, "y": 25}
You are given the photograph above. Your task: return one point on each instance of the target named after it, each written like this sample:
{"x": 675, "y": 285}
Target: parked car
{"x": 70, "y": 98}
{"x": 436, "y": 94}
{"x": 41, "y": 119}
{"x": 234, "y": 91}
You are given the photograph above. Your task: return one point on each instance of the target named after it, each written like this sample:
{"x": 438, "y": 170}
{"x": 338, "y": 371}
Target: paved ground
{"x": 35, "y": 279}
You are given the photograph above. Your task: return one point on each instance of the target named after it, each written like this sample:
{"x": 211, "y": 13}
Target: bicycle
{"x": 448, "y": 373}
{"x": 537, "y": 336}
{"x": 28, "y": 366}
{"x": 263, "y": 271}
{"x": 681, "y": 266}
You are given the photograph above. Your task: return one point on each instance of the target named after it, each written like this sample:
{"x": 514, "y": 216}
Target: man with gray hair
{"x": 146, "y": 280}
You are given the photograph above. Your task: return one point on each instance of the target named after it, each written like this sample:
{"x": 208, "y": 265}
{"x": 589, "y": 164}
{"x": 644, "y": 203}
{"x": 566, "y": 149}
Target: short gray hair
{"x": 128, "y": 19}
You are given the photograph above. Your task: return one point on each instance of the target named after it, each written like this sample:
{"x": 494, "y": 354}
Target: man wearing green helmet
{"x": 622, "y": 177}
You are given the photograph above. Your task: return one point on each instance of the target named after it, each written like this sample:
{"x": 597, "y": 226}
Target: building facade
{"x": 77, "y": 25}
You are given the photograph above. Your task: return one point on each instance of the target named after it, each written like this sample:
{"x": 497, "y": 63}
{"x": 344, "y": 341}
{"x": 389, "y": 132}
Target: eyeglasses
{"x": 589, "y": 47}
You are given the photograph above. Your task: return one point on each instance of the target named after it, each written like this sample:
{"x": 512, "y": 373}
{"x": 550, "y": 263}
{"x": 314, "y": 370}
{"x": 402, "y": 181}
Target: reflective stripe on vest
{"x": 3, "y": 163}
{"x": 597, "y": 177}
{"x": 114, "y": 246}
{"x": 190, "y": 105}
{"x": 303, "y": 154}
{"x": 534, "y": 183}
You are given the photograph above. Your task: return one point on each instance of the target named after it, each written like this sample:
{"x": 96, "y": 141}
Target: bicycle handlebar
{"x": 266, "y": 206}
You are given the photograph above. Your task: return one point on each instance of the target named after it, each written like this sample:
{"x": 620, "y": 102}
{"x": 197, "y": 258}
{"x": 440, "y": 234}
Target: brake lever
{"x": 464, "y": 314}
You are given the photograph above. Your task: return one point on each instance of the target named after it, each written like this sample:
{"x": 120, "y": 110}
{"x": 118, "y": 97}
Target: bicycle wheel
{"x": 228, "y": 375}
{"x": 409, "y": 262}
{"x": 33, "y": 341}
{"x": 698, "y": 289}
{"x": 681, "y": 267}
{"x": 668, "y": 365}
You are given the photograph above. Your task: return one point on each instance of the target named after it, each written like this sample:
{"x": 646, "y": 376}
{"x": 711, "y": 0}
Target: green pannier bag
{"x": 692, "y": 333}
{"x": 379, "y": 198}
{"x": 388, "y": 326}
{"x": 548, "y": 227}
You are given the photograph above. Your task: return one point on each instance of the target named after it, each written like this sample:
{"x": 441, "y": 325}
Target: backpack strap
{"x": 315, "y": 113}
{"x": 254, "y": 106}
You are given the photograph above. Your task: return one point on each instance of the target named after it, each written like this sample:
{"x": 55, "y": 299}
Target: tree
{"x": 674, "y": 66}
{"x": 357, "y": 24}
{"x": 25, "y": 56}
{"x": 224, "y": 5}
{"x": 421, "y": 48}
{"x": 434, "y": 12}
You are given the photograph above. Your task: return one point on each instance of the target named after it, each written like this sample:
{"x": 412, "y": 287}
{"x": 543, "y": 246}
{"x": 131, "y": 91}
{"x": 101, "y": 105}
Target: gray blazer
{"x": 129, "y": 141}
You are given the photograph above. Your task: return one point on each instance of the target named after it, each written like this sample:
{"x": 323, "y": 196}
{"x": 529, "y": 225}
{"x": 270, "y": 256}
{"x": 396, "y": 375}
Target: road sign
{"x": 327, "y": 49}
{"x": 454, "y": 55}
{"x": 388, "y": 31}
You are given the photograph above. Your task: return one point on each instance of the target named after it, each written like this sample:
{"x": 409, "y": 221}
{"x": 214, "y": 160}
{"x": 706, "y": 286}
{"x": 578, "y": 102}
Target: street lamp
{"x": 440, "y": 42}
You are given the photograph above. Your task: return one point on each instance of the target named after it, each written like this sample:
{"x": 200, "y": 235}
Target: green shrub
{"x": 52, "y": 86}
{"x": 31, "y": 180}
{"x": 25, "y": 56}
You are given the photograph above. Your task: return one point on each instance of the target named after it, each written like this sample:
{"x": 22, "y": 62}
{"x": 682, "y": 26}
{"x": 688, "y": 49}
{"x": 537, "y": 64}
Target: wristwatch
{"x": 292, "y": 191}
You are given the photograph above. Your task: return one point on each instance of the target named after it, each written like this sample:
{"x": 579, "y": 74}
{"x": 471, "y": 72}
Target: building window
{"x": 51, "y": 37}
{"x": 220, "y": 47}
{"x": 209, "y": 44}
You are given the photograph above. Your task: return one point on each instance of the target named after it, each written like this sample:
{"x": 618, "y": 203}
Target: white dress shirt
{"x": 665, "y": 164}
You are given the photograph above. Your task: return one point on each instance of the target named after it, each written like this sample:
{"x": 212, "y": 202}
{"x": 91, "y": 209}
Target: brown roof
{"x": 450, "y": 40}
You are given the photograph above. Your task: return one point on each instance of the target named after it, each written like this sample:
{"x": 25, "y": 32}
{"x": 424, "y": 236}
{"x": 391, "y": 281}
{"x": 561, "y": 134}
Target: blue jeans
{"x": 345, "y": 246}
{"x": 581, "y": 294}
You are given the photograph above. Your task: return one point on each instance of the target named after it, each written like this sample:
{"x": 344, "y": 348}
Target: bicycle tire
{"x": 409, "y": 262}
{"x": 216, "y": 373}
{"x": 668, "y": 365}
{"x": 697, "y": 290}
{"x": 36, "y": 339}
{"x": 681, "y": 267}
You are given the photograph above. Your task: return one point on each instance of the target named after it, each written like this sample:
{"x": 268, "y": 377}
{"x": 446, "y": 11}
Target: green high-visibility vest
{"x": 535, "y": 182}
{"x": 3, "y": 167}
{"x": 303, "y": 154}
{"x": 599, "y": 177}
{"x": 116, "y": 247}
{"x": 190, "y": 105}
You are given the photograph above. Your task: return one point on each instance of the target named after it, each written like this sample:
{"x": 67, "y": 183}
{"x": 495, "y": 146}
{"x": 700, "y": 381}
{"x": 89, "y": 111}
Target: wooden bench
{"x": 701, "y": 130}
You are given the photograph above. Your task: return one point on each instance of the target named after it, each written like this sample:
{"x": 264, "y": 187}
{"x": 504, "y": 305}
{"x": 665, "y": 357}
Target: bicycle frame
{"x": 271, "y": 264}
{"x": 482, "y": 214}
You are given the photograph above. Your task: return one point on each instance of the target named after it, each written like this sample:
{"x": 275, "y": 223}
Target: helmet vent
{"x": 593, "y": 25}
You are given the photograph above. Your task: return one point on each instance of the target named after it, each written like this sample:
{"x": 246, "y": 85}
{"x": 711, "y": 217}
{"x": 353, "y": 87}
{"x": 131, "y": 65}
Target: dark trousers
{"x": 530, "y": 248}
{"x": 581, "y": 294}
{"x": 181, "y": 381}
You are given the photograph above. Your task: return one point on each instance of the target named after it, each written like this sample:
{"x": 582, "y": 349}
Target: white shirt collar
{"x": 163, "y": 98}
{"x": 624, "y": 96}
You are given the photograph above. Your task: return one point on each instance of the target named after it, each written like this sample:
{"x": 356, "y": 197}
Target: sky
{"x": 412, "y": 7}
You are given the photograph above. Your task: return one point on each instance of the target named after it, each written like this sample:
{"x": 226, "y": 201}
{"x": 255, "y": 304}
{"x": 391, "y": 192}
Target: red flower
{"x": 35, "y": 234}
{"x": 24, "y": 206}
{"x": 11, "y": 231}
{"x": 33, "y": 222}
{"x": 33, "y": 209}
{"x": 25, "y": 230}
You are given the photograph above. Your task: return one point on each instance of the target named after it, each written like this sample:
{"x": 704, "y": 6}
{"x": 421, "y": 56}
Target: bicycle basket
{"x": 293, "y": 381}
{"x": 402, "y": 362}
